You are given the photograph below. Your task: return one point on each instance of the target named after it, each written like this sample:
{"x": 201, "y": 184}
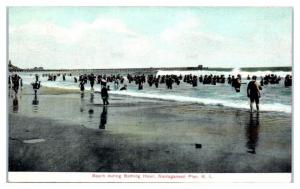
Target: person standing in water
{"x": 16, "y": 83}
{"x": 253, "y": 93}
{"x": 36, "y": 86}
{"x": 237, "y": 84}
{"x": 104, "y": 95}
{"x": 81, "y": 85}
{"x": 36, "y": 77}
{"x": 92, "y": 79}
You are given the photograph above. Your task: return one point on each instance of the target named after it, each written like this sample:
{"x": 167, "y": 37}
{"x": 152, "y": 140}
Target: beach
{"x": 64, "y": 131}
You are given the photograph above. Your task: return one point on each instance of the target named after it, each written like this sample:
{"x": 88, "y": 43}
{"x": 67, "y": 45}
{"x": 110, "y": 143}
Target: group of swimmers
{"x": 102, "y": 80}
{"x": 274, "y": 79}
{"x": 15, "y": 82}
{"x": 168, "y": 80}
{"x": 53, "y": 77}
{"x": 253, "y": 88}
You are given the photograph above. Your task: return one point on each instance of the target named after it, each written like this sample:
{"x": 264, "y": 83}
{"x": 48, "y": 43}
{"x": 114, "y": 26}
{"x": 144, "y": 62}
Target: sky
{"x": 133, "y": 37}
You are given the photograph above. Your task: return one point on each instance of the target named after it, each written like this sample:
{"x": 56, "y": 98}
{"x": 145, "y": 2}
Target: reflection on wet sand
{"x": 35, "y": 103}
{"x": 81, "y": 109}
{"x": 91, "y": 112}
{"x": 92, "y": 98}
{"x": 15, "y": 104}
{"x": 35, "y": 100}
{"x": 103, "y": 118}
{"x": 252, "y": 133}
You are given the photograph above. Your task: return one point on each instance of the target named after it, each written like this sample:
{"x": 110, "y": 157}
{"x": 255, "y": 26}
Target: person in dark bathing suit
{"x": 16, "y": 82}
{"x": 253, "y": 93}
{"x": 104, "y": 95}
{"x": 36, "y": 86}
{"x": 92, "y": 79}
{"x": 81, "y": 85}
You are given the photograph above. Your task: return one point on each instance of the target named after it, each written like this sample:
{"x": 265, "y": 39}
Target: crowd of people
{"x": 253, "y": 88}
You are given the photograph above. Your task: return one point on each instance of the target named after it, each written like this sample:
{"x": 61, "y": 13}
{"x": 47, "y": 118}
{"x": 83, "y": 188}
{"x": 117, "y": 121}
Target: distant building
{"x": 199, "y": 67}
{"x": 38, "y": 68}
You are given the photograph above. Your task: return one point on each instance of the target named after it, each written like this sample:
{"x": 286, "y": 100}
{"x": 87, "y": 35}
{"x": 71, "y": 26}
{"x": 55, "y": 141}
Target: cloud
{"x": 82, "y": 45}
{"x": 110, "y": 43}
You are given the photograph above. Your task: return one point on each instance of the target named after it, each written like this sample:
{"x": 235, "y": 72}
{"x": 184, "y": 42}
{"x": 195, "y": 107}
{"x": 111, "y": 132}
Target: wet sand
{"x": 63, "y": 131}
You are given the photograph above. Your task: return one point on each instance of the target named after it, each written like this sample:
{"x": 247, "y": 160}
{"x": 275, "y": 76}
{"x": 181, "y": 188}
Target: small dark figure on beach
{"x": 200, "y": 79}
{"x": 36, "y": 77}
{"x": 103, "y": 118}
{"x": 81, "y": 85}
{"x": 92, "y": 79}
{"x": 85, "y": 78}
{"x": 194, "y": 81}
{"x": 116, "y": 84}
{"x": 36, "y": 86}
{"x": 104, "y": 95}
{"x": 262, "y": 81}
{"x": 237, "y": 84}
{"x": 169, "y": 82}
{"x": 288, "y": 81}
{"x": 156, "y": 82}
{"x": 214, "y": 81}
{"x": 253, "y": 93}
{"x": 229, "y": 79}
{"x": 123, "y": 88}
{"x": 16, "y": 82}
{"x": 103, "y": 83}
{"x": 140, "y": 85}
{"x": 75, "y": 79}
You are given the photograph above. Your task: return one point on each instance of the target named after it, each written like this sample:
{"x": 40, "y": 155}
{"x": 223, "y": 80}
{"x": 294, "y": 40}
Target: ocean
{"x": 274, "y": 97}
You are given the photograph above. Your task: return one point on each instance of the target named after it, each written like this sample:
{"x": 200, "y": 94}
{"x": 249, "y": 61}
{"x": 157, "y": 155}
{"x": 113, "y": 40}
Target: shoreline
{"x": 46, "y": 90}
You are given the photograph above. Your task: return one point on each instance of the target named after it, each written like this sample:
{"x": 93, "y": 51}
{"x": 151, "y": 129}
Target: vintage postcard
{"x": 149, "y": 94}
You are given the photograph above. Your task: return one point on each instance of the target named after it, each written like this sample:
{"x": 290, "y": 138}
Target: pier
{"x": 106, "y": 70}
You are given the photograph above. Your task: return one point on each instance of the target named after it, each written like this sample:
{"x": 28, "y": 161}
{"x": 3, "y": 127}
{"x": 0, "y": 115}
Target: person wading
{"x": 253, "y": 93}
{"x": 104, "y": 95}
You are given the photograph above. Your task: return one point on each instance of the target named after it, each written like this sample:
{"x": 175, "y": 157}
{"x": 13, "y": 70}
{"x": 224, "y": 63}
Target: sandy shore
{"x": 63, "y": 131}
